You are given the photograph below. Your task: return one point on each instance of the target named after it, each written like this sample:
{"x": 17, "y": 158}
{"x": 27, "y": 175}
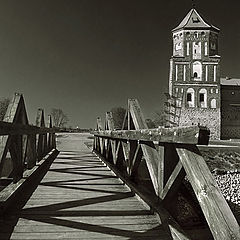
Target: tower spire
{"x": 193, "y": 4}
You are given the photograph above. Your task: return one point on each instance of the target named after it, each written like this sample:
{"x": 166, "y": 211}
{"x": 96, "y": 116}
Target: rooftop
{"x": 193, "y": 20}
{"x": 230, "y": 81}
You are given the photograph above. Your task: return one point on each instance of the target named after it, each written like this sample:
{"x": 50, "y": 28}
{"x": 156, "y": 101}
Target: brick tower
{"x": 194, "y": 76}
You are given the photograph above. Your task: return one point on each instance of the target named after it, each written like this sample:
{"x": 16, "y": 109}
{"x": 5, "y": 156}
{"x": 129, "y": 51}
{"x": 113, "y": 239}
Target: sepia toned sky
{"x": 87, "y": 56}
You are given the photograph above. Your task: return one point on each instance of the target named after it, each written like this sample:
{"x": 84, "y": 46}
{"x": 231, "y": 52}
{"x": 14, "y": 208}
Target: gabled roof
{"x": 230, "y": 81}
{"x": 193, "y": 20}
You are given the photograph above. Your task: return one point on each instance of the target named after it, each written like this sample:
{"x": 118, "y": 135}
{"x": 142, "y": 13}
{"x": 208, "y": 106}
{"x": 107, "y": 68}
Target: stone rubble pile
{"x": 229, "y": 183}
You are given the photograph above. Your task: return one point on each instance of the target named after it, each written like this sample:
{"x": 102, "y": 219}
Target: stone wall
{"x": 230, "y": 112}
{"x": 204, "y": 117}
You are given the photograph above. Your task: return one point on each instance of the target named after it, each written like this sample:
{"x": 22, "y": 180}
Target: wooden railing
{"x": 171, "y": 154}
{"x": 23, "y": 145}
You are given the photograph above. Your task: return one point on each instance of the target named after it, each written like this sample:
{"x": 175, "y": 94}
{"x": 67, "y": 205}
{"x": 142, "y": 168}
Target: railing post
{"x": 41, "y": 138}
{"x": 31, "y": 154}
{"x": 175, "y": 156}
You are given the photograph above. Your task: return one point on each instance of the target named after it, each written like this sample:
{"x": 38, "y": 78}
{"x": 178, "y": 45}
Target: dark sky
{"x": 87, "y": 56}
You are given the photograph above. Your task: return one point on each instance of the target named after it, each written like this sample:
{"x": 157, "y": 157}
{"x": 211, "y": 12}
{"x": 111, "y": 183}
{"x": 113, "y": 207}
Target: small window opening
{"x": 195, "y": 20}
{"x": 201, "y": 96}
{"x": 195, "y": 75}
{"x": 189, "y": 97}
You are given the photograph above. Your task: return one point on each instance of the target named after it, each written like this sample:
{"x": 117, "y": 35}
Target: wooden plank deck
{"x": 80, "y": 198}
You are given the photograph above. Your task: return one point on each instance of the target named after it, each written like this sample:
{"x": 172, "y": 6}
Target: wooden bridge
{"x": 137, "y": 183}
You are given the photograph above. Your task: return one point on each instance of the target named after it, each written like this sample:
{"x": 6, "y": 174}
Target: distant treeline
{"x": 76, "y": 130}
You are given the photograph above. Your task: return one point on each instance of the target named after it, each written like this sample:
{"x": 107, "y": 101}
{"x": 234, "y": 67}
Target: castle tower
{"x": 194, "y": 72}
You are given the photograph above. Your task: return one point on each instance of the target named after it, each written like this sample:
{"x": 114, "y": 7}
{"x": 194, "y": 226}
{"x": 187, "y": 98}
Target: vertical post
{"x": 160, "y": 168}
{"x": 16, "y": 152}
{"x": 41, "y": 139}
{"x": 31, "y": 153}
{"x": 50, "y": 135}
{"x": 218, "y": 214}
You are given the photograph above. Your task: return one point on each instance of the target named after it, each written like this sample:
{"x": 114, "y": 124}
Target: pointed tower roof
{"x": 193, "y": 20}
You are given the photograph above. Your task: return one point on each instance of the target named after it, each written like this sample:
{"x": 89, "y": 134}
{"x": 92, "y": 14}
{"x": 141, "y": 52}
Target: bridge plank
{"x": 80, "y": 198}
{"x": 218, "y": 214}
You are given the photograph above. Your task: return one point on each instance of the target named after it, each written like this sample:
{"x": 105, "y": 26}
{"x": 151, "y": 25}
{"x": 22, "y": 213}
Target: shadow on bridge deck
{"x": 80, "y": 198}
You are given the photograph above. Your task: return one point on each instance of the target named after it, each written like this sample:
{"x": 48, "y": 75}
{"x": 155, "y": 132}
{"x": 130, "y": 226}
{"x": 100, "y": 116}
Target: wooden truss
{"x": 170, "y": 155}
{"x": 22, "y": 145}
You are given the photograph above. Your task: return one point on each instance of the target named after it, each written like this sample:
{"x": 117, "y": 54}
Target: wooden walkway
{"x": 80, "y": 198}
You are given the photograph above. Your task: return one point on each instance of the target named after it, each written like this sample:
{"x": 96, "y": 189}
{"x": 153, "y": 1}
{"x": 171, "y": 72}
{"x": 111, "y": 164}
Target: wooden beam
{"x": 7, "y": 128}
{"x": 135, "y": 162}
{"x": 183, "y": 135}
{"x": 171, "y": 180}
{"x": 31, "y": 152}
{"x": 218, "y": 214}
{"x": 149, "y": 151}
{"x": 160, "y": 168}
{"x": 16, "y": 152}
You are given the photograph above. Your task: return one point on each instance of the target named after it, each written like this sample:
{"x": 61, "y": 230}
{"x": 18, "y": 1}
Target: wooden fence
{"x": 23, "y": 145}
{"x": 168, "y": 162}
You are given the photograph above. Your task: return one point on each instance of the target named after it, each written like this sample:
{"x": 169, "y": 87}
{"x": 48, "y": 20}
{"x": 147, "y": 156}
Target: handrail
{"x": 23, "y": 145}
{"x": 168, "y": 162}
{"x": 183, "y": 135}
{"x": 7, "y": 128}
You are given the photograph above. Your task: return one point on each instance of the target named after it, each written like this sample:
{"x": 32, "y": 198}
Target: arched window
{"x": 213, "y": 103}
{"x": 190, "y": 97}
{"x": 197, "y": 50}
{"x": 203, "y": 98}
{"x": 197, "y": 71}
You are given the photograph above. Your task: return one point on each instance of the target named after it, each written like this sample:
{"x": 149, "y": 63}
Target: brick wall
{"x": 204, "y": 117}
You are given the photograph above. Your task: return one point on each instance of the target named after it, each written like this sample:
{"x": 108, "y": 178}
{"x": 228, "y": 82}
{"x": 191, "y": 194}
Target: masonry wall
{"x": 230, "y": 112}
{"x": 210, "y": 118}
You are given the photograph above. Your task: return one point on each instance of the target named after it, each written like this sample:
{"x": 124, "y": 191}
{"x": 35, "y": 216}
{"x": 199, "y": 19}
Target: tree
{"x": 118, "y": 116}
{"x": 150, "y": 123}
{"x": 159, "y": 118}
{"x": 4, "y": 102}
{"x": 60, "y": 119}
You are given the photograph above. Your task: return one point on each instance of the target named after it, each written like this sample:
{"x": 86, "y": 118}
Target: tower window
{"x": 197, "y": 71}
{"x": 213, "y": 103}
{"x": 203, "y": 98}
{"x": 196, "y": 50}
{"x": 195, "y": 20}
{"x": 189, "y": 97}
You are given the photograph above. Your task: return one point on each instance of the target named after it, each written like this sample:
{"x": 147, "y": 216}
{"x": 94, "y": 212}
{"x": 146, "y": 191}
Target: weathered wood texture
{"x": 22, "y": 144}
{"x": 184, "y": 135}
{"x": 217, "y": 212}
{"x": 167, "y": 164}
{"x": 80, "y": 198}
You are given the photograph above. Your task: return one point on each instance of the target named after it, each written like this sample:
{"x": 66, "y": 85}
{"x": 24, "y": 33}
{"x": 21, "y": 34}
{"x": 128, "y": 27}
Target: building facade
{"x": 194, "y": 78}
{"x": 230, "y": 108}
